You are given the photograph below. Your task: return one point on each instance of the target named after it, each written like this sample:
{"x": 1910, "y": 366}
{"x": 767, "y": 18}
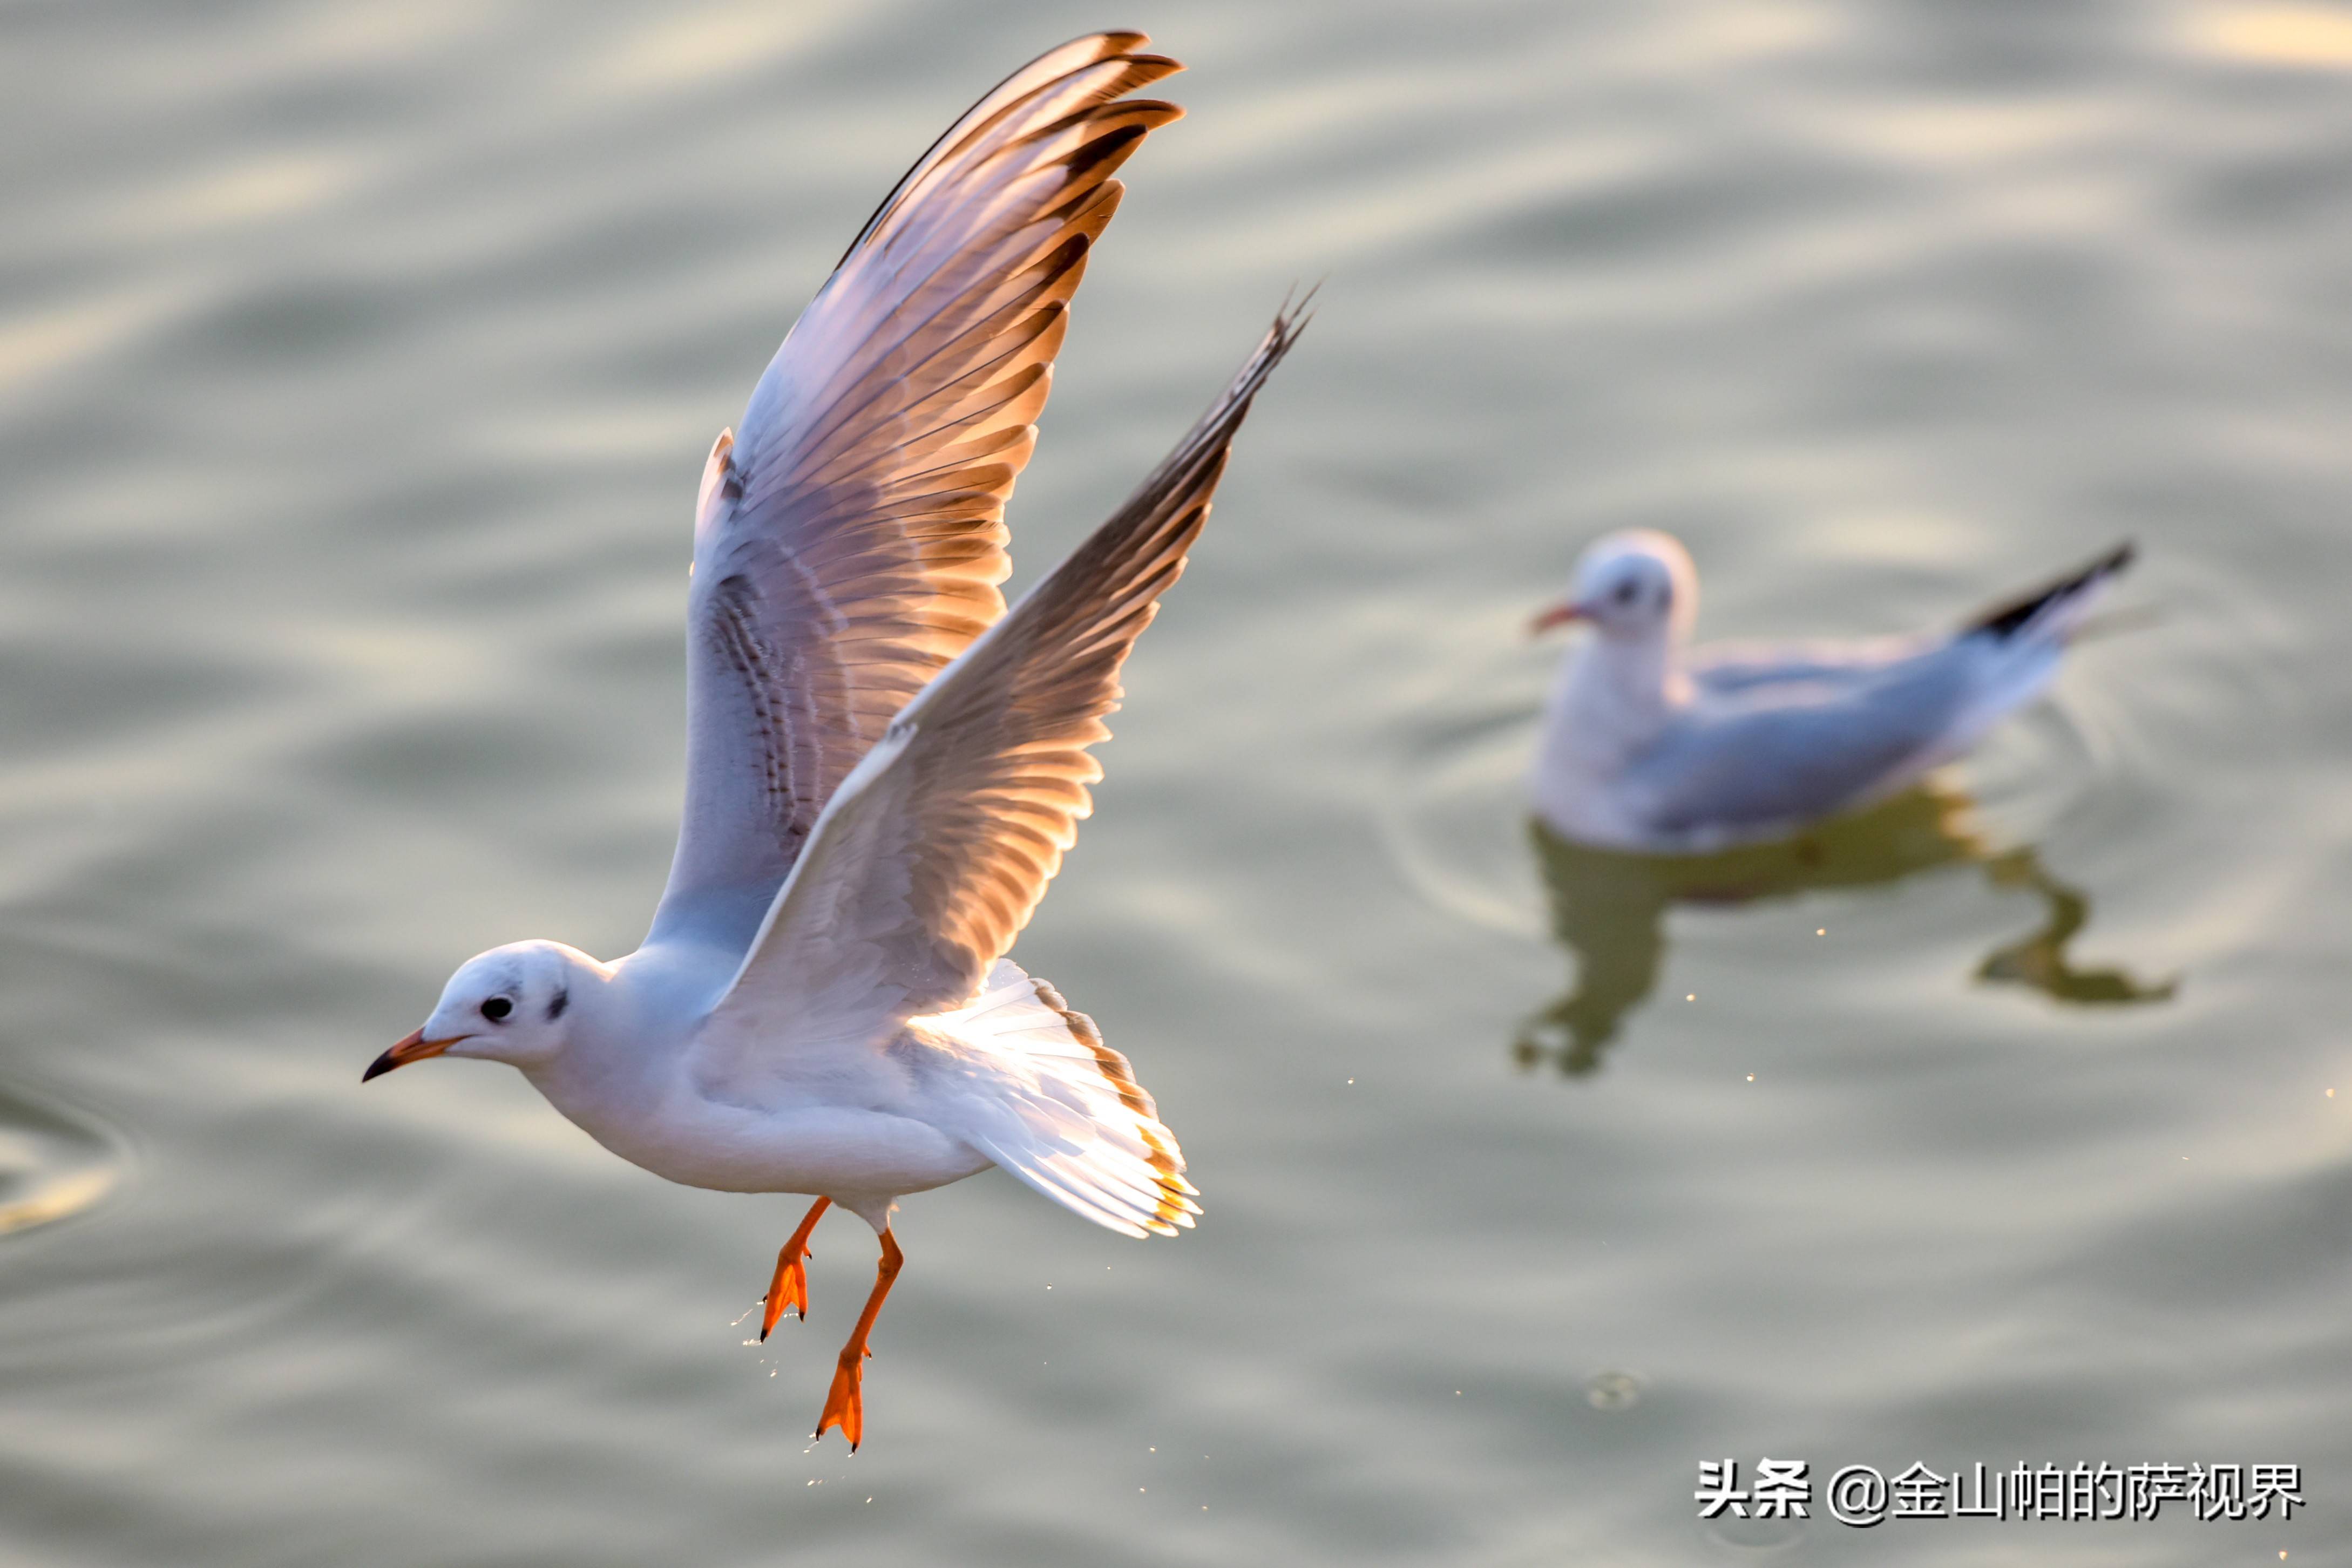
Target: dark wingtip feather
{"x": 1188, "y": 465}
{"x": 2007, "y": 620}
{"x": 1113, "y": 44}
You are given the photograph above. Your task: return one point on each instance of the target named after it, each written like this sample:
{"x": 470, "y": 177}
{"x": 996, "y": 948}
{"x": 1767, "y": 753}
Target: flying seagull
{"x": 884, "y": 765}
{"x": 1649, "y": 745}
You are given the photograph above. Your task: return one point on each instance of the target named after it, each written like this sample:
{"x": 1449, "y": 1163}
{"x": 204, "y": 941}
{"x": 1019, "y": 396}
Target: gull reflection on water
{"x": 1609, "y": 909}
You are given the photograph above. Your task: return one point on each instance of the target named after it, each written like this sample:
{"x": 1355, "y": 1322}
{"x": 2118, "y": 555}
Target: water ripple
{"x": 54, "y": 1164}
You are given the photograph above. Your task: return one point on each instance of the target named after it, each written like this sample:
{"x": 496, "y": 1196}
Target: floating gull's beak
{"x": 1559, "y": 615}
{"x": 414, "y": 1047}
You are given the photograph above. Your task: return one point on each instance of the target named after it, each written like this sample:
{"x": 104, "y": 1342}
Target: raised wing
{"x": 930, "y": 859}
{"x": 848, "y": 543}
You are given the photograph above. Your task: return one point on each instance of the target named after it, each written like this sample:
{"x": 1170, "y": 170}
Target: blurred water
{"x": 356, "y": 366}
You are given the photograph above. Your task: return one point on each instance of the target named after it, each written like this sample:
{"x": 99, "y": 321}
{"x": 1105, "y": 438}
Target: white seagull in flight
{"x": 883, "y": 766}
{"x": 1654, "y": 747}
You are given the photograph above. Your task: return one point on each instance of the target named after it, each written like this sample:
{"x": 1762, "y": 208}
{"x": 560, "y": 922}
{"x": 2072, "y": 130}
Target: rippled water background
{"x": 356, "y": 366}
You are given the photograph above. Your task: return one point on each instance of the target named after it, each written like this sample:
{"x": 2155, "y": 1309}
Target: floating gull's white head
{"x": 1637, "y": 586}
{"x": 511, "y": 1004}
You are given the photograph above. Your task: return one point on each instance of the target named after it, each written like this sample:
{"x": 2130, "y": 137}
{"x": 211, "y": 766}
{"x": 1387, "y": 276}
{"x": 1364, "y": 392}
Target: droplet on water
{"x": 1613, "y": 1391}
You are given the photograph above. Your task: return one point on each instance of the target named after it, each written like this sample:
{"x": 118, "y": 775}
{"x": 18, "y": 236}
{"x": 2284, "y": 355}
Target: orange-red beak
{"x": 1559, "y": 615}
{"x": 413, "y": 1047}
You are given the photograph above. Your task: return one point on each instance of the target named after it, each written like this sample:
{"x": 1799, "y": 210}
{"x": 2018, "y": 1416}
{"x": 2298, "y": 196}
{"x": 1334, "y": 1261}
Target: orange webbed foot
{"x": 845, "y": 1402}
{"x": 788, "y": 1291}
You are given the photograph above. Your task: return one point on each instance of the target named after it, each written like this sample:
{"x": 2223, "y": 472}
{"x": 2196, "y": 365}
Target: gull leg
{"x": 788, "y": 1291}
{"x": 844, "y": 1404}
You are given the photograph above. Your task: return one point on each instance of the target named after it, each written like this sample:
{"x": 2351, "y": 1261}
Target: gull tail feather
{"x": 1064, "y": 1111}
{"x": 2056, "y": 611}
{"x": 2014, "y": 650}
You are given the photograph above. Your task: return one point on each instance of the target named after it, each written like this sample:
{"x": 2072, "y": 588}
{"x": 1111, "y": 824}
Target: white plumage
{"x": 884, "y": 765}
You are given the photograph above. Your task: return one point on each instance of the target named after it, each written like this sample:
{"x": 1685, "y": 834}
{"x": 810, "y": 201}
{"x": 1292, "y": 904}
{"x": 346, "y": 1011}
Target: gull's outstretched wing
{"x": 929, "y": 860}
{"x": 849, "y": 541}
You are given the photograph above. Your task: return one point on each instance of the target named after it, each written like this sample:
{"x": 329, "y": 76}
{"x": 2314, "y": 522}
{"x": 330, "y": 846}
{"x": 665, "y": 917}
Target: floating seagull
{"x": 883, "y": 766}
{"x": 1648, "y": 745}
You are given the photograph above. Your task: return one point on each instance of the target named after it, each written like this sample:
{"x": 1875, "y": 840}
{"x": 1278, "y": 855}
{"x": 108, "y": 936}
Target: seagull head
{"x": 511, "y": 1004}
{"x": 1638, "y": 586}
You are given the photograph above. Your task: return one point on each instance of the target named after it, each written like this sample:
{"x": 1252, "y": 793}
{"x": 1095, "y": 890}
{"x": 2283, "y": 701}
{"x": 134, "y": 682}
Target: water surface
{"x": 356, "y": 368}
